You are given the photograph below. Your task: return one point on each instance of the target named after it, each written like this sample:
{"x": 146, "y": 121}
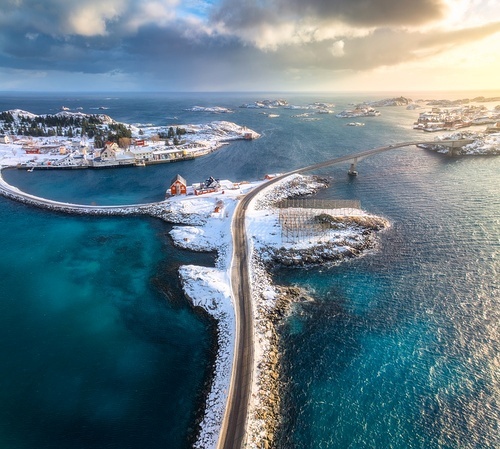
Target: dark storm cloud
{"x": 384, "y": 47}
{"x": 21, "y": 50}
{"x": 366, "y": 13}
{"x": 374, "y": 12}
{"x": 225, "y": 60}
{"x": 124, "y": 36}
{"x": 174, "y": 56}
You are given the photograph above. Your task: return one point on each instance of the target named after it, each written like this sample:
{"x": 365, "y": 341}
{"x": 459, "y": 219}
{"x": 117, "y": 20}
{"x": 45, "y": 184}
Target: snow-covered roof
{"x": 180, "y": 179}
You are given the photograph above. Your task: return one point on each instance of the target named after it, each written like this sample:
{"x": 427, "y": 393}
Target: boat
{"x": 140, "y": 164}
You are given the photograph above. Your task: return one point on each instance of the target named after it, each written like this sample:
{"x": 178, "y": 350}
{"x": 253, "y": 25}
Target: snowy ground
{"x": 210, "y": 289}
{"x": 207, "y": 230}
{"x": 12, "y": 154}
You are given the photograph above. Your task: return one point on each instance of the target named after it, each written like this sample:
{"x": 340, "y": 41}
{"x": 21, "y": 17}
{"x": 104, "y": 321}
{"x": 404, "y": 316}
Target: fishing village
{"x": 73, "y": 140}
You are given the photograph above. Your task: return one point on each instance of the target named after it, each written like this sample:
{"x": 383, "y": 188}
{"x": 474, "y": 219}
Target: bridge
{"x": 233, "y": 430}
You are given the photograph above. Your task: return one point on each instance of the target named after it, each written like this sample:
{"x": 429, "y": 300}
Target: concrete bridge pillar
{"x": 454, "y": 147}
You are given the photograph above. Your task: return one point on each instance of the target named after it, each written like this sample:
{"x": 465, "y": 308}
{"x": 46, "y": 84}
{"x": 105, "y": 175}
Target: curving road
{"x": 233, "y": 430}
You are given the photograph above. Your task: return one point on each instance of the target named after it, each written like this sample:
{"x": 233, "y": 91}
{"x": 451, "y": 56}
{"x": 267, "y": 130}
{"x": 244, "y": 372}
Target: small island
{"x": 397, "y": 101}
{"x": 360, "y": 110}
{"x": 210, "y": 109}
{"x": 265, "y": 104}
{"x": 316, "y": 107}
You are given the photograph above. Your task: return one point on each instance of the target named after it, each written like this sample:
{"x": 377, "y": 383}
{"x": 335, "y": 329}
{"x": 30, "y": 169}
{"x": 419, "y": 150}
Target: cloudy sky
{"x": 249, "y": 45}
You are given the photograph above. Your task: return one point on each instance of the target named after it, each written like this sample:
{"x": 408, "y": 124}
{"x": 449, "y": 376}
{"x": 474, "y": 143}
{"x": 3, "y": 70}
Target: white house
{"x": 109, "y": 151}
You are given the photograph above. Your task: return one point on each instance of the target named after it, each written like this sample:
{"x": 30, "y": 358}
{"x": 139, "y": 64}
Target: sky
{"x": 249, "y": 45}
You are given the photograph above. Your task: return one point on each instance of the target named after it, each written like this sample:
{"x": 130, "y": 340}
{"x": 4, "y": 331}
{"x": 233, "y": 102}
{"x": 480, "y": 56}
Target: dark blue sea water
{"x": 399, "y": 349}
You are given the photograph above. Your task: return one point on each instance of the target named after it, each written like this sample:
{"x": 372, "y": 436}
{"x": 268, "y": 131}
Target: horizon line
{"x": 245, "y": 91}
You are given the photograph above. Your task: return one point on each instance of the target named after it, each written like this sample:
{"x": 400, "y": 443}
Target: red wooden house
{"x": 178, "y": 186}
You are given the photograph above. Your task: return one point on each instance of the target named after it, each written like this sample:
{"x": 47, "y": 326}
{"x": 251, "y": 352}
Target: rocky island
{"x": 210, "y": 109}
{"x": 359, "y": 111}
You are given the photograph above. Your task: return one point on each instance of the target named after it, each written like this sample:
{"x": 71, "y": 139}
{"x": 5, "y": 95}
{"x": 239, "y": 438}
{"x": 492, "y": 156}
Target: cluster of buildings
{"x": 179, "y": 186}
{"x": 452, "y": 119}
{"x": 145, "y": 148}
{"x": 71, "y": 154}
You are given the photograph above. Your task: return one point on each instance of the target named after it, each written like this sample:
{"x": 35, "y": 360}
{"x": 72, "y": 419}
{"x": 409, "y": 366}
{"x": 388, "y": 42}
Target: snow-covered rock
{"x": 210, "y": 109}
{"x": 265, "y": 104}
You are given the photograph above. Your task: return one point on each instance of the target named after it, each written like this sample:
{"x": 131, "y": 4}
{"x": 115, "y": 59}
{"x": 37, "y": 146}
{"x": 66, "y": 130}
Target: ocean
{"x": 399, "y": 348}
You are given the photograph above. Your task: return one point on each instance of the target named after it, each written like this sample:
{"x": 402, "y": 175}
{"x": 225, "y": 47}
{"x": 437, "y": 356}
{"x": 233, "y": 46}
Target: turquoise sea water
{"x": 94, "y": 351}
{"x": 399, "y": 349}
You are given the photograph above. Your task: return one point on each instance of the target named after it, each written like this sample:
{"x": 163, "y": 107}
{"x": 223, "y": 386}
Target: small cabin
{"x": 178, "y": 186}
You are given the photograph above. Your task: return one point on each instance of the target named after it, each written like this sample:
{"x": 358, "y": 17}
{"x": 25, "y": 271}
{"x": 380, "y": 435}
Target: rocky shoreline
{"x": 272, "y": 303}
{"x": 362, "y": 239}
{"x": 353, "y": 236}
{"x": 483, "y": 143}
